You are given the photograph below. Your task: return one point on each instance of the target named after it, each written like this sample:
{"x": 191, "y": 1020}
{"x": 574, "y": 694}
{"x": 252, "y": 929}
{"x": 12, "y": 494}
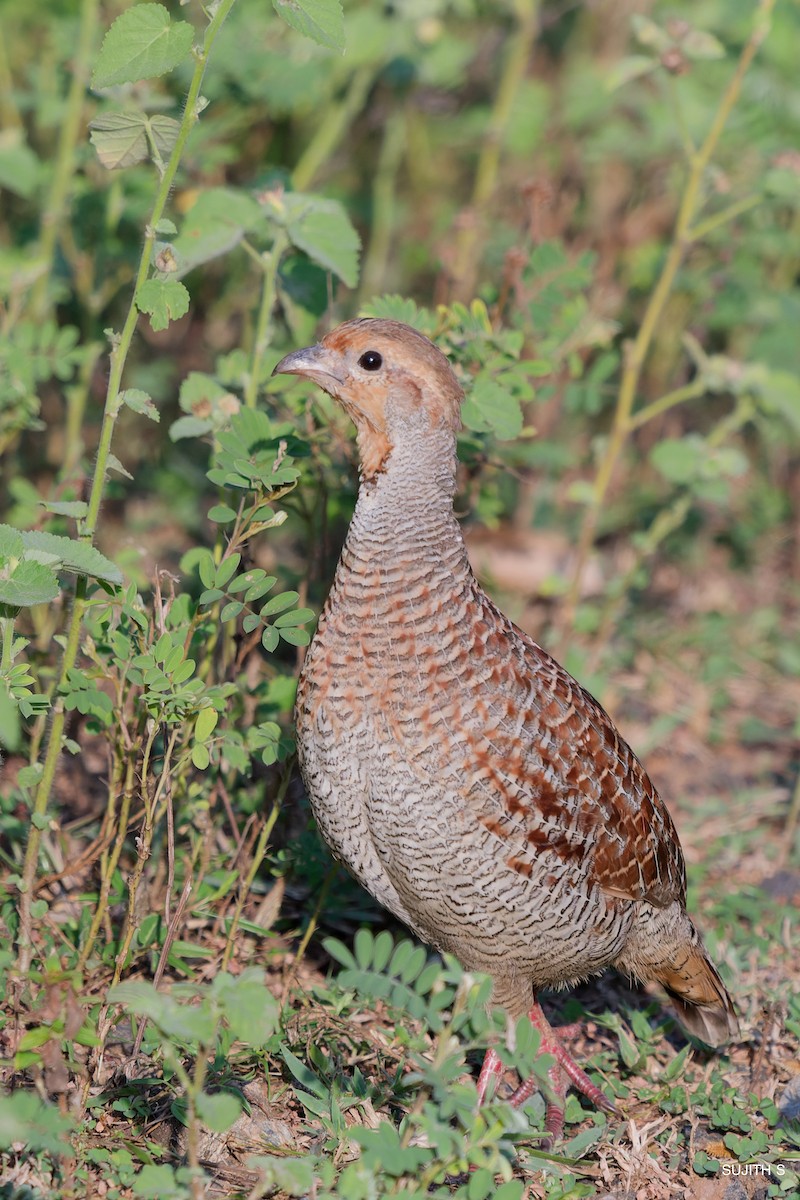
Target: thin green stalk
{"x": 384, "y": 195}
{"x": 269, "y": 262}
{"x": 9, "y": 113}
{"x": 724, "y": 216}
{"x": 338, "y": 116}
{"x": 486, "y": 174}
{"x": 690, "y": 391}
{"x": 8, "y": 640}
{"x": 314, "y": 921}
{"x": 683, "y": 238}
{"x": 110, "y": 865}
{"x": 258, "y": 858}
{"x": 71, "y": 128}
{"x": 119, "y": 356}
{"x": 76, "y": 396}
{"x": 56, "y": 735}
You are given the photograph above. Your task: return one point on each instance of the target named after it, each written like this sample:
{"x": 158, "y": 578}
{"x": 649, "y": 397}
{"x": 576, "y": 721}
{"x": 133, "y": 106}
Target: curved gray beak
{"x": 317, "y": 363}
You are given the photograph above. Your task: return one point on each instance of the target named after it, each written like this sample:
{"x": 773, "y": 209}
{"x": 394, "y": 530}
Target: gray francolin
{"x": 465, "y": 778}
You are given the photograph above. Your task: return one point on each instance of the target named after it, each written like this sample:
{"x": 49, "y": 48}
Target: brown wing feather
{"x": 556, "y": 783}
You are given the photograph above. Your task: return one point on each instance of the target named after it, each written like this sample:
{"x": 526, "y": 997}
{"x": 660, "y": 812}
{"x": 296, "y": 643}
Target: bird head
{"x": 389, "y": 378}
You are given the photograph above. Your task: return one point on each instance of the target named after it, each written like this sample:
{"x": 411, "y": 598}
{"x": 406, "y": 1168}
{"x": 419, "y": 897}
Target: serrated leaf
{"x": 322, "y": 229}
{"x": 68, "y": 553}
{"x": 213, "y": 226}
{"x": 141, "y": 44}
{"x": 163, "y": 134}
{"x": 490, "y": 406}
{"x": 120, "y": 139}
{"x": 66, "y": 508}
{"x": 164, "y": 300}
{"x": 320, "y": 20}
{"x": 11, "y": 543}
{"x": 218, "y": 1111}
{"x": 113, "y": 464}
{"x": 139, "y": 402}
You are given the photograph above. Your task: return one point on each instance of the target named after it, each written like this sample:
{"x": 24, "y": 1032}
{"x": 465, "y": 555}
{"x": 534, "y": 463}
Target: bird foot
{"x": 563, "y": 1072}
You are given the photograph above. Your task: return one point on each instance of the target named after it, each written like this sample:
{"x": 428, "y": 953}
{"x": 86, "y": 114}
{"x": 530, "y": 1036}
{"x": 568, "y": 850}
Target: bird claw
{"x": 564, "y": 1071}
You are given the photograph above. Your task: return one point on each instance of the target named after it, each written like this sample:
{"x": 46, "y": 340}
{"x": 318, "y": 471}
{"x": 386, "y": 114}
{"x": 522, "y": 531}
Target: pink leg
{"x": 564, "y": 1069}
{"x": 492, "y": 1069}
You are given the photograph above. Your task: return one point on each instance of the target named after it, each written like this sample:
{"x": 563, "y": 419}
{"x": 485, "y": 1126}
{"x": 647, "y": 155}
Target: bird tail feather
{"x": 700, "y": 997}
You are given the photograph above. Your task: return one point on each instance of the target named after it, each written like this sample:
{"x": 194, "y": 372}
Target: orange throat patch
{"x": 374, "y": 448}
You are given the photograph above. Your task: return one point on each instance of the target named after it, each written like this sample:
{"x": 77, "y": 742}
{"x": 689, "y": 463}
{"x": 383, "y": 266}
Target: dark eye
{"x": 371, "y": 361}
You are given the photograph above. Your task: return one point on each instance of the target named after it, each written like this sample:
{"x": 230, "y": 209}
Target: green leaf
{"x": 676, "y": 1065}
{"x": 142, "y": 43}
{"x": 20, "y": 169}
{"x": 320, "y": 20}
{"x": 200, "y": 756}
{"x": 298, "y": 616}
{"x": 30, "y": 583}
{"x": 303, "y": 1074}
{"x": 221, "y": 514}
{"x": 11, "y": 543}
{"x": 295, "y": 636}
{"x": 120, "y": 139}
{"x": 139, "y": 402}
{"x": 163, "y": 133}
{"x": 679, "y": 460}
{"x": 38, "y": 1036}
{"x": 215, "y": 224}
{"x": 205, "y": 724}
{"x": 66, "y": 508}
{"x": 24, "y": 1118}
{"x": 490, "y": 406}
{"x": 295, "y": 1176}
{"x": 164, "y": 300}
{"x": 323, "y": 230}
{"x": 278, "y": 603}
{"x": 252, "y": 1012}
{"x": 113, "y": 464}
{"x": 218, "y": 1111}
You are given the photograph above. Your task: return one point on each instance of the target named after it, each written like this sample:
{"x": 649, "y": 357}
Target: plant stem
{"x": 269, "y": 262}
{"x": 331, "y": 130}
{"x": 110, "y": 866}
{"x": 729, "y": 213}
{"x": 8, "y": 640}
{"x": 384, "y": 194}
{"x": 519, "y": 50}
{"x": 56, "y": 735}
{"x": 258, "y": 858}
{"x": 56, "y": 203}
{"x": 690, "y": 391}
{"x": 119, "y": 355}
{"x": 683, "y": 238}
